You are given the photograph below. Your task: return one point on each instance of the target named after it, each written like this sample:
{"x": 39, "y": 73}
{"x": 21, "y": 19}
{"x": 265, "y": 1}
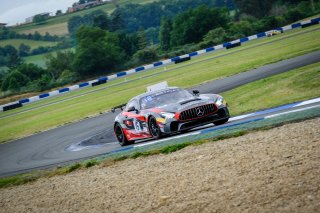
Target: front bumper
{"x": 173, "y": 125}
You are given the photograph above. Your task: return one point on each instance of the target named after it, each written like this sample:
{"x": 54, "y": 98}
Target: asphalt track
{"x": 94, "y": 136}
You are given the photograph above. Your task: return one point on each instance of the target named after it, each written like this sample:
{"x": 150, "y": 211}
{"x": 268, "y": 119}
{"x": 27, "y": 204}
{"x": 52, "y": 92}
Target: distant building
{"x": 2, "y": 25}
{"x": 77, "y": 6}
{"x": 30, "y": 19}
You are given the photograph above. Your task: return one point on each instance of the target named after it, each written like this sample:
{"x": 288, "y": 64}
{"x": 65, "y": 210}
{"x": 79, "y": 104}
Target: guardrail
{"x": 177, "y": 59}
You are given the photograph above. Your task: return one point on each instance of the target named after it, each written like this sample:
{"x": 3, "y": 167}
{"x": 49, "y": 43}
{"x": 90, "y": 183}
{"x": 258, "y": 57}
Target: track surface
{"x": 52, "y": 147}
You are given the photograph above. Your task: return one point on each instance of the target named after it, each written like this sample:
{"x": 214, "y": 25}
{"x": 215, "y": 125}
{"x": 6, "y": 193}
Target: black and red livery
{"x": 167, "y": 111}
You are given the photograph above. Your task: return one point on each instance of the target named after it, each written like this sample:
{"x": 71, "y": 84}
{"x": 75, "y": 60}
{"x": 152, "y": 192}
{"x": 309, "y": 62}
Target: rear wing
{"x": 159, "y": 86}
{"x": 118, "y": 107}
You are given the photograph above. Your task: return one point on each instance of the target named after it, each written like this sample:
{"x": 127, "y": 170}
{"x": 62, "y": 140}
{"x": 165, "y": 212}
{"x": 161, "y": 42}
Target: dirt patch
{"x": 269, "y": 171}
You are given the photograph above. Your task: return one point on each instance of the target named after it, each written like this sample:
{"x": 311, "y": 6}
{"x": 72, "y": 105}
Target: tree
{"x": 73, "y": 24}
{"x": 102, "y": 21}
{"x": 144, "y": 56}
{"x": 14, "y": 81}
{"x": 24, "y": 50}
{"x": 59, "y": 12}
{"x": 192, "y": 25}
{"x": 96, "y": 18}
{"x": 256, "y": 8}
{"x": 214, "y": 37}
{"x": 142, "y": 41}
{"x": 128, "y": 43}
{"x": 39, "y": 19}
{"x": 59, "y": 62}
{"x": 117, "y": 22}
{"x": 164, "y": 34}
{"x": 32, "y": 71}
{"x": 14, "y": 59}
{"x": 241, "y": 28}
{"x": 37, "y": 36}
{"x": 97, "y": 51}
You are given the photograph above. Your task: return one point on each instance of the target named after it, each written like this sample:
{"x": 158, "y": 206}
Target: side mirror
{"x": 195, "y": 92}
{"x": 132, "y": 109}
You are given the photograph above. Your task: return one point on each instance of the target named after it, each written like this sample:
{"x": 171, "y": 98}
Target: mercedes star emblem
{"x": 199, "y": 111}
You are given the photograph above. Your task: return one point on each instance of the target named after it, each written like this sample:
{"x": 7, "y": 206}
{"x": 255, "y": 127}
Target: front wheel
{"x": 220, "y": 122}
{"x": 121, "y": 136}
{"x": 154, "y": 128}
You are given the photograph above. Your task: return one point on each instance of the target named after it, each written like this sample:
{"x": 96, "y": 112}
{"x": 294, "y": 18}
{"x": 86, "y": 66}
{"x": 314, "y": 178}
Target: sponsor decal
{"x": 161, "y": 120}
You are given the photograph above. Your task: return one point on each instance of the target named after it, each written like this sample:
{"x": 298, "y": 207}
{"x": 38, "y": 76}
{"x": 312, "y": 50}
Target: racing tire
{"x": 154, "y": 128}
{"x": 220, "y": 122}
{"x": 121, "y": 137}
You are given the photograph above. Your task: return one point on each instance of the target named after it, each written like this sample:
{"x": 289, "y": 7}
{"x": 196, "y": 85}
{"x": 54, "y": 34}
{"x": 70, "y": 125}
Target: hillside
{"x": 32, "y": 43}
{"x": 58, "y": 25}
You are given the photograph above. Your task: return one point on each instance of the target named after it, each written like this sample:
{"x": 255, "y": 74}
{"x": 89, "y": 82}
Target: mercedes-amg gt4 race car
{"x": 166, "y": 111}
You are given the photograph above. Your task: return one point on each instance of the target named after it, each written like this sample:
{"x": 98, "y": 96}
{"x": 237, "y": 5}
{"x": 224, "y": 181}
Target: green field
{"x": 36, "y": 59}
{"x": 58, "y": 25}
{"x": 32, "y": 43}
{"x": 40, "y": 59}
{"x": 199, "y": 70}
{"x": 296, "y": 85}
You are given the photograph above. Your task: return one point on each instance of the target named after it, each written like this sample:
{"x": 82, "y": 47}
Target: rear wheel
{"x": 121, "y": 136}
{"x": 154, "y": 128}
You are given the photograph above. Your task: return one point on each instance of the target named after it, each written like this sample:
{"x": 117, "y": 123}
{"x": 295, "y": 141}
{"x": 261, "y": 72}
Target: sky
{"x": 16, "y": 11}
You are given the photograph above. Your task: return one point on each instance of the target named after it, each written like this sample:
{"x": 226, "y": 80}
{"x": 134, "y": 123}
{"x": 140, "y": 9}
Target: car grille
{"x": 197, "y": 112}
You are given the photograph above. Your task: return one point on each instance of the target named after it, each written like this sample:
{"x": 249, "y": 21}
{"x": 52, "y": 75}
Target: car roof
{"x": 138, "y": 97}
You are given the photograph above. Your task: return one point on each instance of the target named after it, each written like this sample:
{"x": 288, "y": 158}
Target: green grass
{"x": 52, "y": 23}
{"x": 72, "y": 110}
{"x": 289, "y": 87}
{"x": 39, "y": 60}
{"x": 33, "y": 44}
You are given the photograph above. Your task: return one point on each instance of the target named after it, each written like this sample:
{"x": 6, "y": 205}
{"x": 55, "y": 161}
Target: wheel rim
{"x": 154, "y": 127}
{"x": 119, "y": 133}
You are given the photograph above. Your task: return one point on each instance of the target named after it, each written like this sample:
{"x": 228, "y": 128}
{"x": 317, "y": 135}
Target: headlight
{"x": 167, "y": 115}
{"x": 219, "y": 101}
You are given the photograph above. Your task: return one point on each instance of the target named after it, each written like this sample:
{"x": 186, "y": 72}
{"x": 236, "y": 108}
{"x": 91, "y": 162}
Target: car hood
{"x": 178, "y": 107}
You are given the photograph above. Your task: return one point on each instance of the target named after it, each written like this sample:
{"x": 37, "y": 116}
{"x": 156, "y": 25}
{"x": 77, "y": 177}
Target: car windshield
{"x": 164, "y": 98}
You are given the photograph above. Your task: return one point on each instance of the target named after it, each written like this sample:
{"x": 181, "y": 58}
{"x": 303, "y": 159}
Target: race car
{"x": 167, "y": 111}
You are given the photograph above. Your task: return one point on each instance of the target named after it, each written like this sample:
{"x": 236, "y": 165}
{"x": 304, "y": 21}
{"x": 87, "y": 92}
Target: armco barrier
{"x": 99, "y": 82}
{"x": 226, "y": 45}
{"x": 238, "y": 44}
{"x": 12, "y": 106}
{"x": 180, "y": 60}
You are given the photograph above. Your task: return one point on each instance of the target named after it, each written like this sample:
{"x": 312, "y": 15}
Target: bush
{"x": 214, "y": 37}
{"x": 44, "y": 83}
{"x": 14, "y": 81}
{"x": 145, "y": 56}
{"x": 67, "y": 76}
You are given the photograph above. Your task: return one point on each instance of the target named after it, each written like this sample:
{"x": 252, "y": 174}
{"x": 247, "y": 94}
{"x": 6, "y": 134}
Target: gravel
{"x": 276, "y": 170}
